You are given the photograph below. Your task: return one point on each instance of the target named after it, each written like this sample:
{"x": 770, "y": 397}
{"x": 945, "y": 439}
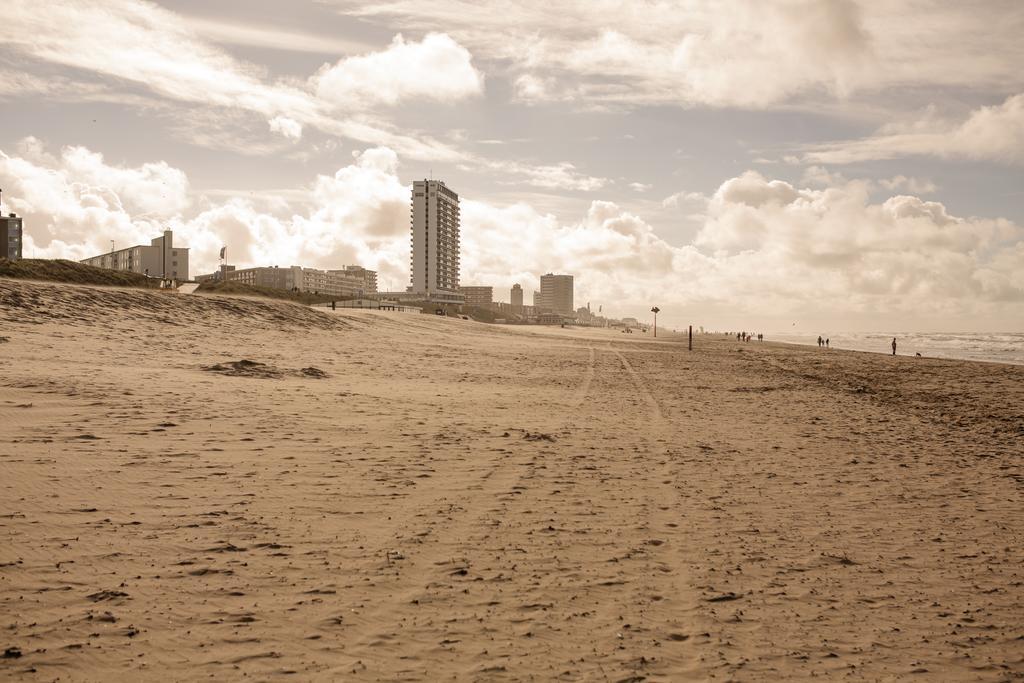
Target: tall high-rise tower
{"x": 517, "y": 297}
{"x": 435, "y": 241}
{"x": 556, "y": 293}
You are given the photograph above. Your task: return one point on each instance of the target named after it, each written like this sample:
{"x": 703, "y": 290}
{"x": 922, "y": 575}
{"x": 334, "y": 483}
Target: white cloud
{"x": 436, "y": 68}
{"x": 685, "y": 199}
{"x": 272, "y": 37}
{"x": 726, "y": 52}
{"x": 561, "y": 176}
{"x": 834, "y": 246}
{"x": 992, "y": 133}
{"x": 290, "y": 128}
{"x": 912, "y": 185}
{"x": 153, "y": 48}
{"x": 218, "y": 96}
{"x": 39, "y": 181}
{"x": 530, "y": 88}
{"x": 640, "y": 187}
{"x": 820, "y": 176}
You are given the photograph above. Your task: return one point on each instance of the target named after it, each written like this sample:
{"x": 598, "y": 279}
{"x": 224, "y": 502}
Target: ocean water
{"x": 1003, "y": 347}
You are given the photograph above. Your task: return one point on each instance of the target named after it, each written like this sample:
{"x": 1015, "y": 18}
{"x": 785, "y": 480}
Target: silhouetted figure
{"x": 819, "y": 341}
{"x": 894, "y": 346}
{"x": 826, "y": 342}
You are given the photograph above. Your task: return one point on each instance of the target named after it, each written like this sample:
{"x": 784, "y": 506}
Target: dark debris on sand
{"x": 251, "y": 368}
{"x": 538, "y": 436}
{"x": 245, "y": 368}
{"x": 106, "y": 595}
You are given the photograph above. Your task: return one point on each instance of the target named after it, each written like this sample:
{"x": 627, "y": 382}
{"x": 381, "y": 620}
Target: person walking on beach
{"x": 894, "y": 346}
{"x": 826, "y": 342}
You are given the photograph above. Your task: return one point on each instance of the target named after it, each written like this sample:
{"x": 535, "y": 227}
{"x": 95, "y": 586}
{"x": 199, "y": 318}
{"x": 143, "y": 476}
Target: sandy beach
{"x": 212, "y": 487}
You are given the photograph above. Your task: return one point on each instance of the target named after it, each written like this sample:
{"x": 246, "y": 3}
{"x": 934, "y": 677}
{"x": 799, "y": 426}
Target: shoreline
{"x": 1014, "y": 361}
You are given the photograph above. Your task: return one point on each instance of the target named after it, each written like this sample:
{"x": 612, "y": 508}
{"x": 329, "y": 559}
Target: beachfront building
{"x": 539, "y": 304}
{"x": 369, "y": 277}
{"x": 517, "y": 297}
{"x": 478, "y": 296}
{"x": 556, "y": 293}
{"x": 550, "y": 319}
{"x": 216, "y": 276}
{"x": 10, "y": 236}
{"x": 160, "y": 258}
{"x": 435, "y": 242}
{"x": 349, "y": 282}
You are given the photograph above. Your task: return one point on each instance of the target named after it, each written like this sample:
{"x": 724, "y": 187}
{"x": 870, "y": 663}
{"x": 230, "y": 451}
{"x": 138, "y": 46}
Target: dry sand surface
{"x": 383, "y": 496}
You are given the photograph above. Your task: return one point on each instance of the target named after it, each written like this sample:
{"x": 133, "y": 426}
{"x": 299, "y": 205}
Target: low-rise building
{"x": 215, "y": 276}
{"x": 158, "y": 259}
{"x": 539, "y": 303}
{"x": 478, "y": 295}
{"x": 10, "y": 236}
{"x": 369, "y": 277}
{"x": 349, "y": 282}
{"x": 550, "y": 319}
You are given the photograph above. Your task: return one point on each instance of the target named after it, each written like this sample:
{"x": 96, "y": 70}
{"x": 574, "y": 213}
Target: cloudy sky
{"x": 812, "y": 166}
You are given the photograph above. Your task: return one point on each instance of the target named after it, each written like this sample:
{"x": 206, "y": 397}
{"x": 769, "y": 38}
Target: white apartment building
{"x": 160, "y": 259}
{"x": 435, "y": 242}
{"x": 352, "y": 281}
{"x": 369, "y": 277}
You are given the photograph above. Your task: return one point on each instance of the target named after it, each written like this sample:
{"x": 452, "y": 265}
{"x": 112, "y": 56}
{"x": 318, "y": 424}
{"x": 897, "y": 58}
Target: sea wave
{"x": 996, "y": 347}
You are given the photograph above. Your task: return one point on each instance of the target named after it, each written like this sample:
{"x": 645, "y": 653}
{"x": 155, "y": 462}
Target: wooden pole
{"x": 690, "y": 338}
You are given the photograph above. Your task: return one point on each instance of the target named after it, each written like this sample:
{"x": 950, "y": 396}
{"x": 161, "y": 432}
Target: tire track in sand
{"x": 656, "y": 414}
{"x": 462, "y": 558}
{"x": 588, "y": 379}
{"x": 671, "y": 599}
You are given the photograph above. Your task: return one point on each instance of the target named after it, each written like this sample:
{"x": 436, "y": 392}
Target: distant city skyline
{"x": 777, "y": 166}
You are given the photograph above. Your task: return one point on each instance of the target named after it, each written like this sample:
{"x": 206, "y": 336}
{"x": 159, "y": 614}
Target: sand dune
{"x": 196, "y": 486}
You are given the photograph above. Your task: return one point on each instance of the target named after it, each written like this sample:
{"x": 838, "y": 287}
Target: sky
{"x": 807, "y": 166}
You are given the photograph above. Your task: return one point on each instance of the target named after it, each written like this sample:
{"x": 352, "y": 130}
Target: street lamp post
{"x": 655, "y": 311}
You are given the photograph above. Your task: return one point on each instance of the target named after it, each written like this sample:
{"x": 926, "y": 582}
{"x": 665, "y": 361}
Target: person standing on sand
{"x": 894, "y": 346}
{"x": 826, "y": 342}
